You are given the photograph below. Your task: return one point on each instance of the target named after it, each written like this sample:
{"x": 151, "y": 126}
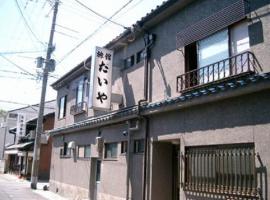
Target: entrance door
{"x": 165, "y": 171}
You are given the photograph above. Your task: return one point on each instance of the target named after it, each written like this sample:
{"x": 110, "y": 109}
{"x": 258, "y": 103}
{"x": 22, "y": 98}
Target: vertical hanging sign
{"x": 102, "y": 79}
{"x": 21, "y": 125}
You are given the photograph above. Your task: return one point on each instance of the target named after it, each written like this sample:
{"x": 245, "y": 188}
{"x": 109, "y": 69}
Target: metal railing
{"x": 78, "y": 108}
{"x": 228, "y": 170}
{"x": 240, "y": 64}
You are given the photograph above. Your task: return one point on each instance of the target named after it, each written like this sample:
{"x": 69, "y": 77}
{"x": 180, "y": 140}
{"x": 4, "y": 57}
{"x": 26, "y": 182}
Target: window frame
{"x": 140, "y": 56}
{"x": 84, "y": 156}
{"x": 62, "y": 115}
{"x": 81, "y": 86}
{"x": 219, "y": 168}
{"x": 137, "y": 148}
{"x": 129, "y": 61}
{"x": 124, "y": 147}
{"x": 106, "y": 146}
{"x": 65, "y": 151}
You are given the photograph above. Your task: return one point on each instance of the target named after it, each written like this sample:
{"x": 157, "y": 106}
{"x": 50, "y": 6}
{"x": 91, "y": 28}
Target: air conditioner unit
{"x": 71, "y": 145}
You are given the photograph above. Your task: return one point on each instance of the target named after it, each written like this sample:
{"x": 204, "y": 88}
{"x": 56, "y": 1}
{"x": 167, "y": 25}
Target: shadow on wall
{"x": 168, "y": 91}
{"x": 261, "y": 172}
{"x": 128, "y": 91}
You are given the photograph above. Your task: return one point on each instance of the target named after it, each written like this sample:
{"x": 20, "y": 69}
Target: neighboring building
{"x": 190, "y": 109}
{"x": 19, "y": 156}
{"x": 19, "y": 136}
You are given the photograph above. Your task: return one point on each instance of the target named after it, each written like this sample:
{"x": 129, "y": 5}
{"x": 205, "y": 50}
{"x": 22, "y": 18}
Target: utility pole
{"x": 39, "y": 130}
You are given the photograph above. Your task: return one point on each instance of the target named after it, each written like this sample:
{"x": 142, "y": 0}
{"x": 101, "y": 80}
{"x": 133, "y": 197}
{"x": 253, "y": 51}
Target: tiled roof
{"x": 147, "y": 17}
{"x": 132, "y": 112}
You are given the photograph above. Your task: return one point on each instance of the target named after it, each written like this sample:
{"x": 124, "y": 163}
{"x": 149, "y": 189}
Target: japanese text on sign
{"x": 102, "y": 79}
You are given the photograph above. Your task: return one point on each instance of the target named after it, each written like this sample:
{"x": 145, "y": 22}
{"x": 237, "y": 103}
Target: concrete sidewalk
{"x": 13, "y": 188}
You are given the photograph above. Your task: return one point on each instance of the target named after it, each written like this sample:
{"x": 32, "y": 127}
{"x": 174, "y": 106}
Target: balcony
{"x": 78, "y": 108}
{"x": 232, "y": 67}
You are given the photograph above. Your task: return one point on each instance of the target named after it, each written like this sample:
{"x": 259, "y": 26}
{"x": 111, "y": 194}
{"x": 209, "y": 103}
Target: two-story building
{"x": 190, "y": 114}
{"x": 18, "y": 140}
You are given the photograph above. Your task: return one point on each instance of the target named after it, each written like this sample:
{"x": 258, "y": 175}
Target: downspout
{"x": 129, "y": 131}
{"x": 149, "y": 40}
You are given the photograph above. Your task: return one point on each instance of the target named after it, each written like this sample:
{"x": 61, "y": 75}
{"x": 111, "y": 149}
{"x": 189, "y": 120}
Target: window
{"x": 111, "y": 150}
{"x": 12, "y": 115}
{"x": 124, "y": 147}
{"x": 129, "y": 62}
{"x": 65, "y": 151}
{"x": 139, "y": 146}
{"x": 209, "y": 57}
{"x": 80, "y": 92}
{"x": 84, "y": 151}
{"x": 62, "y": 107}
{"x": 211, "y": 50}
{"x": 221, "y": 169}
{"x": 140, "y": 56}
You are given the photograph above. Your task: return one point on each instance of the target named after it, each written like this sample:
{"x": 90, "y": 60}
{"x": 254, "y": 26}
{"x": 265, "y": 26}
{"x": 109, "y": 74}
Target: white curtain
{"x": 211, "y": 50}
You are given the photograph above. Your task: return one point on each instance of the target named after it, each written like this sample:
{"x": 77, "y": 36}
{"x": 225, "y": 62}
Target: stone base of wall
{"x": 102, "y": 196}
{"x": 69, "y": 191}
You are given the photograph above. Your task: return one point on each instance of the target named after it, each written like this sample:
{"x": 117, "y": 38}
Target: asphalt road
{"x": 12, "y": 188}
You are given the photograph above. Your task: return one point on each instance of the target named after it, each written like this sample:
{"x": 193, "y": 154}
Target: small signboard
{"x": 102, "y": 79}
{"x": 21, "y": 125}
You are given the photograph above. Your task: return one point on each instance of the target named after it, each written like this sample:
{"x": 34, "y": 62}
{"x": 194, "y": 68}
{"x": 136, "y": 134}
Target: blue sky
{"x": 74, "y": 24}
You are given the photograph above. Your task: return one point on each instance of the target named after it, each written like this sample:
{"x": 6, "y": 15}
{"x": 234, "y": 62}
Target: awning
{"x": 20, "y": 146}
{"x": 11, "y": 151}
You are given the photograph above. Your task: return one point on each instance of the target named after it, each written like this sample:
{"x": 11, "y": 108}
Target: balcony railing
{"x": 238, "y": 65}
{"x": 78, "y": 108}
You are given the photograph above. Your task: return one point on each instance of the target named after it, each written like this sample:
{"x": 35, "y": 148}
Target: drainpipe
{"x": 149, "y": 40}
{"x": 129, "y": 131}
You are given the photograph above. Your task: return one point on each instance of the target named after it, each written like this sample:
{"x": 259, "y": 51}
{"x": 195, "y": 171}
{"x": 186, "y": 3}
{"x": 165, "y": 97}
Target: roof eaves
{"x": 98, "y": 120}
{"x": 80, "y": 66}
{"x": 146, "y": 109}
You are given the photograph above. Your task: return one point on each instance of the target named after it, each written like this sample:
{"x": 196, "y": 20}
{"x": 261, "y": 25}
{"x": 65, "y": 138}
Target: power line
{"x": 23, "y": 104}
{"x": 26, "y": 23}
{"x": 12, "y": 77}
{"x": 102, "y": 16}
{"x": 67, "y": 28}
{"x": 14, "y": 64}
{"x": 132, "y": 7}
{"x": 94, "y": 32}
{"x": 13, "y": 72}
{"x": 20, "y": 52}
{"x": 67, "y": 35}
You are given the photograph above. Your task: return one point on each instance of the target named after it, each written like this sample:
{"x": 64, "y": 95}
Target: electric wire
{"x": 21, "y": 52}
{"x": 93, "y": 33}
{"x": 13, "y": 72}
{"x": 65, "y": 34}
{"x": 24, "y": 104}
{"x": 129, "y": 9}
{"x": 13, "y": 77}
{"x": 102, "y": 16}
{"x": 26, "y": 23}
{"x": 14, "y": 64}
{"x": 67, "y": 28}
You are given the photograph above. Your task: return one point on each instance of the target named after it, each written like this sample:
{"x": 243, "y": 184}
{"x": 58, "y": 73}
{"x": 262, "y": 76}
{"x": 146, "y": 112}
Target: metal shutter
{"x": 211, "y": 24}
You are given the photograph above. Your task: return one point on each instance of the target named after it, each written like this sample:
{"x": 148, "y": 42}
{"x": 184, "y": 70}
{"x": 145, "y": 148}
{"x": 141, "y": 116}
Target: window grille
{"x": 221, "y": 169}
